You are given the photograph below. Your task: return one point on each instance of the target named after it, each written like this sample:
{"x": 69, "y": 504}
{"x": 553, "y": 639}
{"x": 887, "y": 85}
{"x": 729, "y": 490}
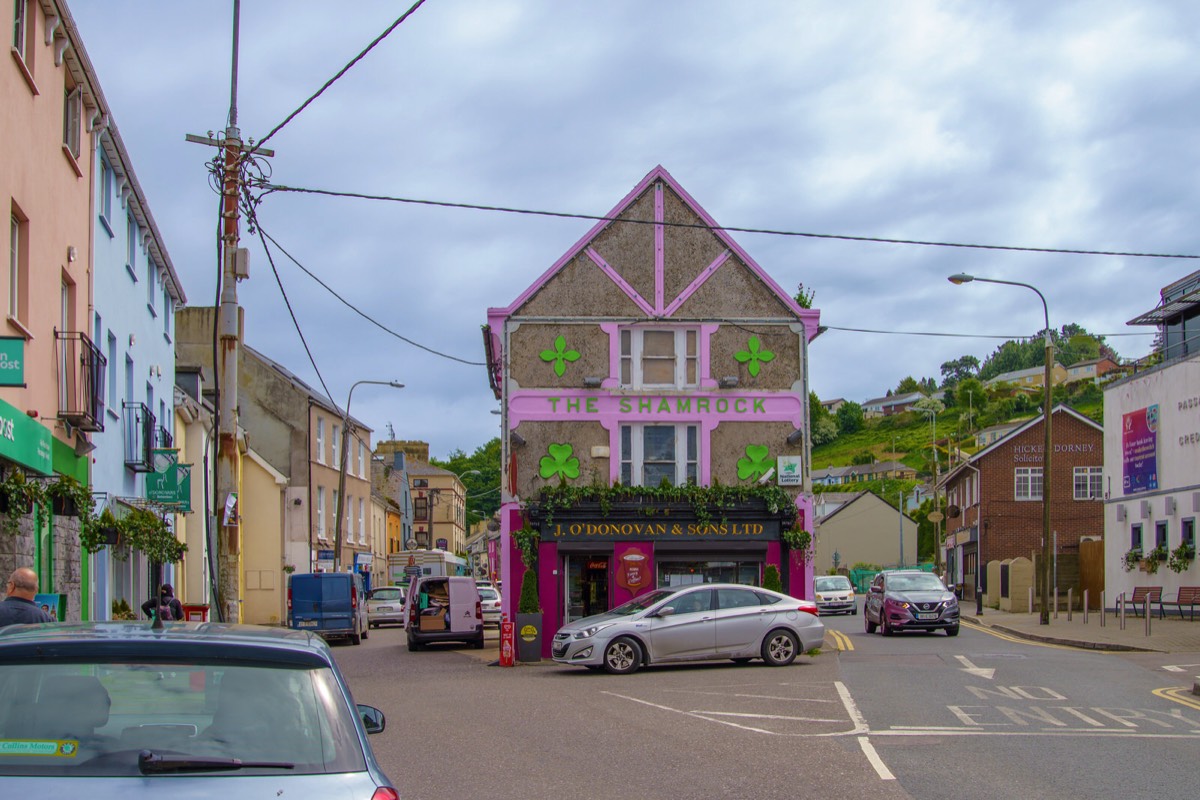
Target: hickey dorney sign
{"x": 1033, "y": 452}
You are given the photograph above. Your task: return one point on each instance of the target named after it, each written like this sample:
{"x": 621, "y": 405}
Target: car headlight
{"x": 896, "y": 603}
{"x": 951, "y": 601}
{"x": 588, "y": 633}
{"x": 820, "y": 598}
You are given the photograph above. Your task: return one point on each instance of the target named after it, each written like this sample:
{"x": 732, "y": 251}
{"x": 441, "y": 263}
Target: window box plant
{"x": 1154, "y": 558}
{"x": 799, "y": 541}
{"x": 18, "y": 494}
{"x": 1131, "y": 559}
{"x": 1182, "y": 557}
{"x": 148, "y": 533}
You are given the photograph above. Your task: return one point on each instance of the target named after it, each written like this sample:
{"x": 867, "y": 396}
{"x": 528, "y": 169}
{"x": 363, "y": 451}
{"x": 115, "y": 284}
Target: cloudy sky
{"x": 1066, "y": 125}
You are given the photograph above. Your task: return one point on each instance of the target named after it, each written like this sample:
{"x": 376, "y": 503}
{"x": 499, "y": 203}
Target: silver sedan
{"x": 702, "y": 622}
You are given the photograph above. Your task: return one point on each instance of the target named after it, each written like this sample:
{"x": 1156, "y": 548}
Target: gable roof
{"x": 859, "y": 499}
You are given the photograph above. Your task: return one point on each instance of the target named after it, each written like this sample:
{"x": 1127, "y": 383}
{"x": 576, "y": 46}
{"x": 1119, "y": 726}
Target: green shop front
{"x": 592, "y": 559}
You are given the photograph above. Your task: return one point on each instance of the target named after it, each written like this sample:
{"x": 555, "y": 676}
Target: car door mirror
{"x": 372, "y": 719}
{"x": 875, "y": 589}
{"x": 665, "y": 611}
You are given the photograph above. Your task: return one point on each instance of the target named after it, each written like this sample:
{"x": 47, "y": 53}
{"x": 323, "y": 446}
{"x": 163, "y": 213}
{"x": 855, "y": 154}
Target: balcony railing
{"x": 81, "y": 372}
{"x": 163, "y": 438}
{"x": 139, "y": 436}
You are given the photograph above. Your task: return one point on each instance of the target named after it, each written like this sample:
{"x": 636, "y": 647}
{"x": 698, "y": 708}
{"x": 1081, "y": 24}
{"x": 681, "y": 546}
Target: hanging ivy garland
{"x": 708, "y": 502}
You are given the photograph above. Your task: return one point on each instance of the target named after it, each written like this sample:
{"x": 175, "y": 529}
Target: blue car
{"x": 124, "y": 710}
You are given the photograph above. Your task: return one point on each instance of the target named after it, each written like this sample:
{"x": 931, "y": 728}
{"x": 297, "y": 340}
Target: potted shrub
{"x": 103, "y": 531}
{"x": 1182, "y": 557}
{"x": 122, "y": 611}
{"x": 529, "y": 608}
{"x": 1131, "y": 559}
{"x": 18, "y": 495}
{"x": 69, "y": 497}
{"x": 771, "y": 579}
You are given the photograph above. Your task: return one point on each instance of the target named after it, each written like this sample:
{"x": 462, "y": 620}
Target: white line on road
{"x": 860, "y": 724}
{"x": 974, "y": 670}
{"x": 759, "y": 716}
{"x": 876, "y": 762}
{"x": 1112, "y": 733}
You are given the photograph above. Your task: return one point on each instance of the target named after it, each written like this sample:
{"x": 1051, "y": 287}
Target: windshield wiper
{"x": 149, "y": 761}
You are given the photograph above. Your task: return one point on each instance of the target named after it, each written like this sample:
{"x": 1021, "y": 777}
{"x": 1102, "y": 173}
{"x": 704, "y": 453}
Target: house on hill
{"x": 1032, "y": 378}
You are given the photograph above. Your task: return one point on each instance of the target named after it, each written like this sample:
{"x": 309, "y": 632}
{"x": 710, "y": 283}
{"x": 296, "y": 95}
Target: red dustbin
{"x": 195, "y": 612}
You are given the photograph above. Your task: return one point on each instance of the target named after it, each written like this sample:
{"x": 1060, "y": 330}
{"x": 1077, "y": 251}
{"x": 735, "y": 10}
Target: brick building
{"x": 999, "y": 491}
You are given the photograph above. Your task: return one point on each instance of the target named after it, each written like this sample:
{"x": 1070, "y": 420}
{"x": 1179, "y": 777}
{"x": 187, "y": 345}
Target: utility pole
{"x": 234, "y": 267}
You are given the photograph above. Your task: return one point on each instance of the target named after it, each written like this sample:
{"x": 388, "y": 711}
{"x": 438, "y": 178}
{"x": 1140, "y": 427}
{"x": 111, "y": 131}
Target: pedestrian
{"x": 18, "y": 607}
{"x": 165, "y": 605}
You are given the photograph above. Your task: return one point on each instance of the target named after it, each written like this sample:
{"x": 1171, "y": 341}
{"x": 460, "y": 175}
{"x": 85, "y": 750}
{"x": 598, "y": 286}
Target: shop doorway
{"x": 587, "y": 586}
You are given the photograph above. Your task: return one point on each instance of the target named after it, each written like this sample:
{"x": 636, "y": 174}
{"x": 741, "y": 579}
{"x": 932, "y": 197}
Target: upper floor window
{"x": 651, "y": 454}
{"x": 18, "y": 267}
{"x": 362, "y": 460}
{"x": 72, "y": 115}
{"x": 22, "y": 29}
{"x": 336, "y": 443}
{"x": 320, "y": 440}
{"x": 320, "y": 512}
{"x": 106, "y": 194}
{"x": 131, "y": 237}
{"x": 168, "y": 311}
{"x": 1187, "y": 532}
{"x": 1088, "y": 482}
{"x": 652, "y": 357}
{"x": 1028, "y": 483}
{"x": 1135, "y": 537}
{"x": 1160, "y": 534}
{"x": 420, "y": 508}
{"x": 151, "y": 291}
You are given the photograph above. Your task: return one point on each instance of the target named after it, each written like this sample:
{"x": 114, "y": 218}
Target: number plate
{"x": 930, "y": 615}
{"x": 307, "y": 623}
{"x": 384, "y": 608}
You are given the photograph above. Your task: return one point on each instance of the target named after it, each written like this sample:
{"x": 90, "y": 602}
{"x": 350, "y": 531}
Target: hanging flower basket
{"x": 64, "y": 507}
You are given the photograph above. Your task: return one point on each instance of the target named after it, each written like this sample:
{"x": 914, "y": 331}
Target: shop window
{"x": 1028, "y": 483}
{"x": 1088, "y": 483}
{"x": 651, "y": 454}
{"x": 673, "y": 574}
{"x": 659, "y": 358}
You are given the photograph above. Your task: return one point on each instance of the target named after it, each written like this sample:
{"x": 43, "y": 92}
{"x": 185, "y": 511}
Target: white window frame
{"x": 320, "y": 440}
{"x": 14, "y": 267}
{"x": 72, "y": 119}
{"x": 20, "y": 27}
{"x": 106, "y": 193}
{"x": 362, "y": 460}
{"x": 321, "y": 512}
{"x": 635, "y": 457}
{"x": 1089, "y": 483}
{"x": 1024, "y": 481}
{"x": 335, "y": 442}
{"x": 362, "y": 528}
{"x": 631, "y": 362}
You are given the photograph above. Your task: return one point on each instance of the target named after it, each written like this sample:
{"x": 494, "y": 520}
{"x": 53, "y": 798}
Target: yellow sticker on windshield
{"x": 38, "y": 747}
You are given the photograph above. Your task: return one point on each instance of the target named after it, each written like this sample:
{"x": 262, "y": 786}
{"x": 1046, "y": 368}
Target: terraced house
{"x": 655, "y": 355}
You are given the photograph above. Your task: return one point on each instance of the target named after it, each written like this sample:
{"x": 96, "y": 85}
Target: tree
{"x": 824, "y": 431}
{"x": 850, "y": 417}
{"x": 908, "y": 385}
{"x": 959, "y": 369}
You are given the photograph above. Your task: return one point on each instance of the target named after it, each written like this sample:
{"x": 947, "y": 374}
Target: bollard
{"x": 1085, "y": 605}
{"x": 1146, "y": 614}
{"x": 1070, "y": 591}
{"x": 1121, "y": 603}
{"x": 1056, "y": 602}
{"x": 1103, "y": 610}
{"x": 1030, "y": 599}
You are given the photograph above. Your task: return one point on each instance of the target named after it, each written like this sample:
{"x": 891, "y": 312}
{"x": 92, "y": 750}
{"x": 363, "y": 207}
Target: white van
{"x": 443, "y": 609}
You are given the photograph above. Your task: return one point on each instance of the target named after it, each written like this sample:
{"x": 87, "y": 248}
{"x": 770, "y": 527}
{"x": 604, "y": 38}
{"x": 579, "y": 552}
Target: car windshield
{"x": 76, "y": 719}
{"x": 642, "y": 602}
{"x": 917, "y": 582}
{"x": 832, "y": 583}
{"x": 388, "y": 593}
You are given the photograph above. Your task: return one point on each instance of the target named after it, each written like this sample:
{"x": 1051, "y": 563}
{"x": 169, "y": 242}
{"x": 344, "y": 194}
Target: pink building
{"x": 654, "y": 353}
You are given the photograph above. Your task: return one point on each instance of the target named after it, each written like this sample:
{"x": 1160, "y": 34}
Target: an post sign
{"x": 1139, "y": 450}
{"x": 12, "y": 361}
{"x": 171, "y": 482}
{"x": 24, "y": 440}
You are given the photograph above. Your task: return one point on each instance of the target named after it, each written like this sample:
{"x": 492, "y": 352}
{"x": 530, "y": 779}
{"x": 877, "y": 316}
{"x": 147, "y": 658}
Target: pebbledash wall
{"x": 655, "y": 347}
{"x": 1152, "y": 472}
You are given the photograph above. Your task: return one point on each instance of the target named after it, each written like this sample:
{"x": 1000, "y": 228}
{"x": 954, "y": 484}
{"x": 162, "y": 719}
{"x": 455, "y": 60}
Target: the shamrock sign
{"x": 560, "y": 462}
{"x": 755, "y": 464}
{"x": 560, "y": 355}
{"x": 751, "y": 354}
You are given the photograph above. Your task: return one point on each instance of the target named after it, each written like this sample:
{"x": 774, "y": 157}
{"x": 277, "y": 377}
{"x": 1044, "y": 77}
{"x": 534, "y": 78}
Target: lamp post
{"x": 341, "y": 497}
{"x": 1044, "y": 566}
{"x": 900, "y": 508}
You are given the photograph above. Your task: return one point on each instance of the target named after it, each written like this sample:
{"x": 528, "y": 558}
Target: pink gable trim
{"x": 621, "y": 283}
{"x": 659, "y": 250}
{"x": 704, "y": 275}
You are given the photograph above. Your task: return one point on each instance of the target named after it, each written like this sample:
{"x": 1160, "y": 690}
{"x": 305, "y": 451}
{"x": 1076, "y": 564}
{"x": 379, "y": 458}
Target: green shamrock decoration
{"x": 560, "y": 355}
{"x": 751, "y": 354}
{"x": 560, "y": 462}
{"x": 754, "y": 465}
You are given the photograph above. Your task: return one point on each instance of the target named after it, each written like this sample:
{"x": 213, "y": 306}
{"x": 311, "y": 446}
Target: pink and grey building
{"x": 654, "y": 349}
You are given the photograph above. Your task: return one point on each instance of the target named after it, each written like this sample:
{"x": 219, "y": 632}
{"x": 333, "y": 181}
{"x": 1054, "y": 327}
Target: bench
{"x": 1187, "y": 596}
{"x": 1142, "y": 595}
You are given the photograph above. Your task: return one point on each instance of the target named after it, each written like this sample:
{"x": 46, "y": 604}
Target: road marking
{"x": 1010, "y": 638}
{"x": 1091, "y": 733}
{"x": 840, "y": 640}
{"x": 758, "y": 716}
{"x": 876, "y": 762}
{"x": 860, "y": 724}
{"x": 979, "y": 672}
{"x": 1180, "y": 694}
{"x": 1179, "y": 667}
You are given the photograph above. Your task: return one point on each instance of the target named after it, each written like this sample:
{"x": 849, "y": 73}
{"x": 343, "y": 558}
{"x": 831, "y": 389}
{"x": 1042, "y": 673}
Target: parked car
{"x": 702, "y": 622}
{"x": 443, "y": 609}
{"x": 835, "y": 594}
{"x": 489, "y": 600}
{"x": 385, "y": 606}
{"x": 189, "y": 710}
{"x": 910, "y": 600}
{"x": 331, "y": 604}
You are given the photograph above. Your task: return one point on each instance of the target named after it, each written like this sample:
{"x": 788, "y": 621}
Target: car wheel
{"x": 355, "y": 638}
{"x": 373, "y": 625}
{"x": 854, "y": 611}
{"x": 953, "y": 631}
{"x": 366, "y": 631}
{"x": 413, "y": 646}
{"x": 780, "y": 647}
{"x": 884, "y": 627}
{"x": 622, "y": 656}
{"x": 868, "y": 626}
{"x": 478, "y": 643}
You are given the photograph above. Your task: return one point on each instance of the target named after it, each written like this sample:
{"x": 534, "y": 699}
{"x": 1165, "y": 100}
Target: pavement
{"x": 1170, "y": 635}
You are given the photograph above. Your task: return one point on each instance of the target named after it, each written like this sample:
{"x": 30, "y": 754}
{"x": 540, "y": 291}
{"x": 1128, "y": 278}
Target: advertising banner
{"x": 1139, "y": 450}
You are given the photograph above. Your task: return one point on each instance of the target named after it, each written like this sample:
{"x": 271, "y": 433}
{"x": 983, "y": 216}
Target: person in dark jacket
{"x": 166, "y": 599}
{"x": 18, "y": 607}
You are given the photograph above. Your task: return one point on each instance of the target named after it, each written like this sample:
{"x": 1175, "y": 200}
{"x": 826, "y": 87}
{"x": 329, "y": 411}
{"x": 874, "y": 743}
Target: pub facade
{"x": 653, "y": 389}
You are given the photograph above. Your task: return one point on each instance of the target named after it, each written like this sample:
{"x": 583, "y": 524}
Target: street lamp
{"x": 1044, "y": 566}
{"x": 341, "y": 497}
